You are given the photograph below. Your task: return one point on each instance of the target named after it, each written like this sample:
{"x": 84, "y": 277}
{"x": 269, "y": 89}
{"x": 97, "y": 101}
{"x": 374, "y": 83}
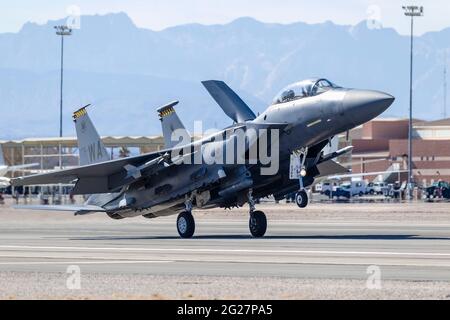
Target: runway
{"x": 290, "y": 249}
{"x": 303, "y": 248}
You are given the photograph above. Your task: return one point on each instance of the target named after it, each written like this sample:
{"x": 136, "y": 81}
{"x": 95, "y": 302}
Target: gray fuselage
{"x": 305, "y": 122}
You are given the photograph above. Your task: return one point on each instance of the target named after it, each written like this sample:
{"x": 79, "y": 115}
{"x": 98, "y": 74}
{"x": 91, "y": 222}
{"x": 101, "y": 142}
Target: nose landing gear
{"x": 298, "y": 171}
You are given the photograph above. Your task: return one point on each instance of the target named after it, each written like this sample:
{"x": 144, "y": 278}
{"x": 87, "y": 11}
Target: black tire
{"x": 301, "y": 199}
{"x": 258, "y": 224}
{"x": 185, "y": 225}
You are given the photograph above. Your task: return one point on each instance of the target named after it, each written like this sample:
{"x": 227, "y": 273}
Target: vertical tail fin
{"x": 171, "y": 122}
{"x": 92, "y": 149}
{"x": 229, "y": 101}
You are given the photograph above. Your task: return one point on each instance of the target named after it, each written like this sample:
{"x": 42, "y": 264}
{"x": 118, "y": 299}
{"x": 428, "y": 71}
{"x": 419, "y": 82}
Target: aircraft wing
{"x": 98, "y": 178}
{"x": 330, "y": 167}
{"x": 327, "y": 166}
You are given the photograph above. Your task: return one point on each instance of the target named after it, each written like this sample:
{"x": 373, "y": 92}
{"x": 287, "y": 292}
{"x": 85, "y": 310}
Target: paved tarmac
{"x": 300, "y": 247}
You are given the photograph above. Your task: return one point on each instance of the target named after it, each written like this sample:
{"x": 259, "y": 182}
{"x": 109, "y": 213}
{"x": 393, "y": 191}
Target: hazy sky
{"x": 159, "y": 14}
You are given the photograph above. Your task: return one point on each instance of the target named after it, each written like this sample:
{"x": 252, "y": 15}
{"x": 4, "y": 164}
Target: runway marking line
{"x": 218, "y": 250}
{"x": 368, "y": 224}
{"x": 83, "y": 262}
{"x": 120, "y": 262}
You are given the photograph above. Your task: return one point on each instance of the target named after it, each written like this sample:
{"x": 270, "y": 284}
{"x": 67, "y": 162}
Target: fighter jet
{"x": 275, "y": 153}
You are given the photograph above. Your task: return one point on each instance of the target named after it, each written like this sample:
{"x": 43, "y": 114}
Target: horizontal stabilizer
{"x": 75, "y": 209}
{"x": 229, "y": 101}
{"x": 91, "y": 179}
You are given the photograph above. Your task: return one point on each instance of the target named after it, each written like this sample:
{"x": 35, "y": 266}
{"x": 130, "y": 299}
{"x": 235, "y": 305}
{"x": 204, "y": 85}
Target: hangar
{"x": 46, "y": 151}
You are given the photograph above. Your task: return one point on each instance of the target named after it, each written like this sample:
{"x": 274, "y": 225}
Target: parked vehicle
{"x": 340, "y": 192}
{"x": 345, "y": 190}
{"x": 380, "y": 188}
{"x": 370, "y": 188}
{"x": 355, "y": 188}
{"x": 439, "y": 189}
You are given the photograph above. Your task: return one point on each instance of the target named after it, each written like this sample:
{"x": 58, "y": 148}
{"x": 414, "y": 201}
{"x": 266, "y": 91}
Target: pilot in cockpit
{"x": 303, "y": 89}
{"x": 288, "y": 96}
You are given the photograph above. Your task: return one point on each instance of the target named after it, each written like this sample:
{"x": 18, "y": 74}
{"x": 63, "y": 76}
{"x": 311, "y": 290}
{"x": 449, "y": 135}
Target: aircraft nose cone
{"x": 364, "y": 105}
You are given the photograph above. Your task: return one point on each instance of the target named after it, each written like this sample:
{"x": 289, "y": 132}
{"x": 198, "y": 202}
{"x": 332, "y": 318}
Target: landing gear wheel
{"x": 185, "y": 225}
{"x": 258, "y": 224}
{"x": 301, "y": 199}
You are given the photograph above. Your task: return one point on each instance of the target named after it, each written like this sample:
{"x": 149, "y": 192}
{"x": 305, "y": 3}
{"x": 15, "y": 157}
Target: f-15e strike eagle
{"x": 278, "y": 152}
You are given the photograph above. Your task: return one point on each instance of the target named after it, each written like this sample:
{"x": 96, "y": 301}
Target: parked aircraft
{"x": 4, "y": 169}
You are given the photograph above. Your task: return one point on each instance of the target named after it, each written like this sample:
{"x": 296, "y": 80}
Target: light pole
{"x": 445, "y": 86}
{"x": 411, "y": 11}
{"x": 62, "y": 31}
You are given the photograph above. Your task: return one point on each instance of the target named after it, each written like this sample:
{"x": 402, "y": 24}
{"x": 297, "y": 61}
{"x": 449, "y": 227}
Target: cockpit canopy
{"x": 302, "y": 89}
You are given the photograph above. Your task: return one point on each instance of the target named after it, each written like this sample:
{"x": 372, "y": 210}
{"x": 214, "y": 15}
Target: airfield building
{"x": 382, "y": 144}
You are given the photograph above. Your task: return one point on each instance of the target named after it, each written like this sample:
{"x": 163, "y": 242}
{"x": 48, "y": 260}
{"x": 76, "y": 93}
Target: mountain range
{"x": 127, "y": 72}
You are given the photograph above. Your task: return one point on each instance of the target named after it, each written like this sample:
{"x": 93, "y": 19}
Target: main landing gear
{"x": 301, "y": 197}
{"x": 186, "y": 225}
{"x": 186, "y": 222}
{"x": 258, "y": 221}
